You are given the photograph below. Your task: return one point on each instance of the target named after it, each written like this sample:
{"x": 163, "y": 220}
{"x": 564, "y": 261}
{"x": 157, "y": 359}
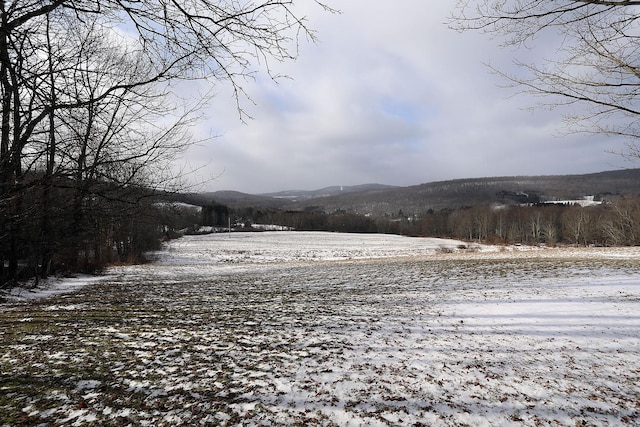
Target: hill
{"x": 469, "y": 192}
{"x": 236, "y": 200}
{"x": 302, "y": 195}
{"x": 380, "y": 200}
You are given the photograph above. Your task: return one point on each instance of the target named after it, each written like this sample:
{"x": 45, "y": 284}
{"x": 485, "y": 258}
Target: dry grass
{"x": 394, "y": 341}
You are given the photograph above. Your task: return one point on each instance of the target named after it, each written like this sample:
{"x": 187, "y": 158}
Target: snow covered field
{"x": 333, "y": 329}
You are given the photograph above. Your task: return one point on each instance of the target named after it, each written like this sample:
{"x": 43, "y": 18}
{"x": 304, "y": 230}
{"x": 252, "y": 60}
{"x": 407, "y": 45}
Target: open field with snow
{"x": 331, "y": 329}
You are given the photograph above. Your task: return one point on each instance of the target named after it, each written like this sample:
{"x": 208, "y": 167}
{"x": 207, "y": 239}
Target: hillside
{"x": 375, "y": 199}
{"x": 277, "y": 200}
{"x": 302, "y": 195}
{"x": 468, "y": 192}
{"x": 236, "y": 200}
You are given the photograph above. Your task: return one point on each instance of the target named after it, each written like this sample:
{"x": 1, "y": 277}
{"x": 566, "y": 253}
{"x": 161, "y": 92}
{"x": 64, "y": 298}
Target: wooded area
{"x": 615, "y": 223}
{"x": 612, "y": 224}
{"x": 91, "y": 116}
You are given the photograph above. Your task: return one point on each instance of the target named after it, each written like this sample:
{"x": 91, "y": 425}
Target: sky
{"x": 391, "y": 95}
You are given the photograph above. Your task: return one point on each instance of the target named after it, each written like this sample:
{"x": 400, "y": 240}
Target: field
{"x": 331, "y": 329}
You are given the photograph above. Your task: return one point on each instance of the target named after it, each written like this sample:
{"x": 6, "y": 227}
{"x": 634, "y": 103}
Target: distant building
{"x": 585, "y": 201}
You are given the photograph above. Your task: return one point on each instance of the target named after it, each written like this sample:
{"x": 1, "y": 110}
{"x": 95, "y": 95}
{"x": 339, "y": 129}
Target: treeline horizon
{"x": 90, "y": 229}
{"x": 613, "y": 223}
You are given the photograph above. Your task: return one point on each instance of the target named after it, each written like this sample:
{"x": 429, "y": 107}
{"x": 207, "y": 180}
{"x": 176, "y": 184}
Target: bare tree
{"x": 482, "y": 220}
{"x": 550, "y": 232}
{"x": 86, "y": 96}
{"x": 536, "y": 227}
{"x": 595, "y": 65}
{"x": 577, "y": 225}
{"x": 621, "y": 225}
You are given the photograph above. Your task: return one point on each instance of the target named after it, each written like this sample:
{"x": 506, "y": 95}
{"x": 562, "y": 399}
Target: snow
{"x": 298, "y": 246}
{"x": 49, "y": 287}
{"x": 332, "y": 329}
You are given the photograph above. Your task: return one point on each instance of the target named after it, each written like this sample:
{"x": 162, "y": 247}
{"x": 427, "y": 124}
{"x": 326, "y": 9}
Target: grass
{"x": 384, "y": 341}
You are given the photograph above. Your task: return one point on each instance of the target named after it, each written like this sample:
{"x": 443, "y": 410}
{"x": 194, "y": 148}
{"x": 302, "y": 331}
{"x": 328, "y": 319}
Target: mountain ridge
{"x": 384, "y": 200}
{"x": 328, "y": 191}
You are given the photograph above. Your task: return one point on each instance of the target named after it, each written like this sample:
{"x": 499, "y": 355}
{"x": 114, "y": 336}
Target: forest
{"x": 614, "y": 223}
{"x": 95, "y": 108}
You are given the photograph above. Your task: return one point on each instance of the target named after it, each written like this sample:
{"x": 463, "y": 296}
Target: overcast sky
{"x": 389, "y": 95}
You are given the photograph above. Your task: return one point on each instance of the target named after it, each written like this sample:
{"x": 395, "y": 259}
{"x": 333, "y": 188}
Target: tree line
{"x": 611, "y": 224}
{"x": 614, "y": 223}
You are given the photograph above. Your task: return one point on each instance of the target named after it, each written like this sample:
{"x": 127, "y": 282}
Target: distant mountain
{"x": 468, "y": 192}
{"x": 300, "y": 195}
{"x": 279, "y": 200}
{"x": 236, "y": 199}
{"x": 377, "y": 199}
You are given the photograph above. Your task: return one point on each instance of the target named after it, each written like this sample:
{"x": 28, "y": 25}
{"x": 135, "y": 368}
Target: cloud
{"x": 389, "y": 95}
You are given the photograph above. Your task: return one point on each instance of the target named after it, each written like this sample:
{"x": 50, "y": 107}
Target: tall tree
{"x": 596, "y": 64}
{"x": 87, "y": 102}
